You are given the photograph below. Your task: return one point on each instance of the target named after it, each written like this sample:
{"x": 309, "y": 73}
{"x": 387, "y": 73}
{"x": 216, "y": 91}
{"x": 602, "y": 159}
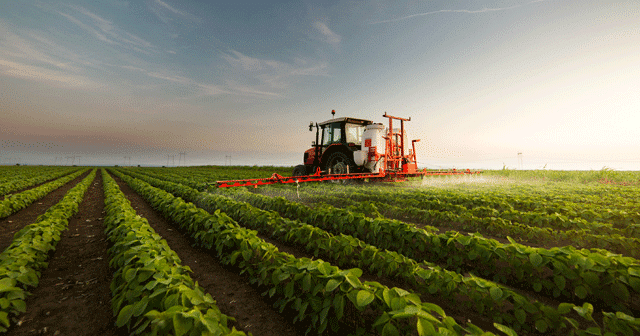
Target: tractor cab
{"x": 345, "y": 131}
{"x": 336, "y": 140}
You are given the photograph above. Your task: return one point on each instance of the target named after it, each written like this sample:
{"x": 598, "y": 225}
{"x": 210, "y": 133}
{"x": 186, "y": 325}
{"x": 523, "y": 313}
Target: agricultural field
{"x": 124, "y": 250}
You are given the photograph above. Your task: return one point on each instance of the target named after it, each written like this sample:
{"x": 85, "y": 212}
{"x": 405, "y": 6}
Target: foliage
{"x": 323, "y": 295}
{"x": 152, "y": 292}
{"x": 13, "y": 203}
{"x": 22, "y": 261}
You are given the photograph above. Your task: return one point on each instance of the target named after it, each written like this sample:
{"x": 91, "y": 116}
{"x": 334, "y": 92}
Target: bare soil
{"x": 15, "y": 222}
{"x": 233, "y": 293}
{"x": 73, "y": 296}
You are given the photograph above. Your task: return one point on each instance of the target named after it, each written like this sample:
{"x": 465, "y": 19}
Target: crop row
{"x": 561, "y": 272}
{"x": 22, "y": 181}
{"x": 602, "y": 204}
{"x": 566, "y": 272}
{"x": 322, "y": 295}
{"x": 538, "y": 218}
{"x": 488, "y": 298}
{"x": 8, "y": 173}
{"x": 348, "y": 251}
{"x": 497, "y": 226}
{"x": 16, "y": 202}
{"x": 198, "y": 177}
{"x": 152, "y": 291}
{"x": 574, "y": 202}
{"x": 22, "y": 261}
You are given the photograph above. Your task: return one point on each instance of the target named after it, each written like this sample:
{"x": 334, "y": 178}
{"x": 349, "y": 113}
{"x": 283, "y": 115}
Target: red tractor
{"x": 350, "y": 148}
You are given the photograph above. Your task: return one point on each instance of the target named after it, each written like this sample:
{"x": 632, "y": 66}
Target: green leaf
{"x": 331, "y": 285}
{"x": 398, "y": 303}
{"x": 140, "y": 306}
{"x": 306, "y": 282}
{"x": 170, "y": 301}
{"x": 585, "y": 311}
{"x": 496, "y": 293}
{"x": 537, "y": 286}
{"x": 364, "y": 298}
{"x": 505, "y": 329}
{"x": 535, "y": 259}
{"x": 390, "y": 330}
{"x": 7, "y": 284}
{"x": 124, "y": 316}
{"x": 19, "y": 305}
{"x": 581, "y": 292}
{"x": 4, "y": 318}
{"x": 560, "y": 281}
{"x": 521, "y": 316}
{"x": 130, "y": 274}
{"x": 620, "y": 290}
{"x": 594, "y": 331}
{"x": 425, "y": 327}
{"x": 338, "y": 305}
{"x": 541, "y": 326}
{"x": 181, "y": 324}
{"x": 565, "y": 308}
{"x": 289, "y": 289}
{"x": 353, "y": 280}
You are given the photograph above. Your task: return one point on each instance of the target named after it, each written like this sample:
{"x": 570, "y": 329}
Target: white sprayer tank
{"x": 372, "y": 137}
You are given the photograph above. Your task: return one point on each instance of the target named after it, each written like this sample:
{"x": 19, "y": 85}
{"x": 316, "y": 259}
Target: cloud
{"x": 466, "y": 11}
{"x": 327, "y": 35}
{"x": 264, "y": 77}
{"x": 24, "y": 71}
{"x": 104, "y": 30}
{"x": 166, "y": 12}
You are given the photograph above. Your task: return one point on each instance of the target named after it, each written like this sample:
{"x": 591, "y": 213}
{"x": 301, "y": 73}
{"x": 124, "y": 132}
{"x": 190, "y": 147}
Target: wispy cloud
{"x": 106, "y": 31}
{"x": 40, "y": 74}
{"x": 464, "y": 11}
{"x": 327, "y": 34}
{"x": 166, "y": 12}
{"x": 28, "y": 54}
{"x": 266, "y": 77}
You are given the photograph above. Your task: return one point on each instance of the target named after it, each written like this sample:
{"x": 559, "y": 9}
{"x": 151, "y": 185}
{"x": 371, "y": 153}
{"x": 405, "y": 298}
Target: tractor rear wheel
{"x": 338, "y": 163}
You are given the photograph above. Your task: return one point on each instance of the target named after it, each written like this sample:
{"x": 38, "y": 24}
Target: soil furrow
{"x": 73, "y": 297}
{"x": 14, "y": 223}
{"x": 233, "y": 294}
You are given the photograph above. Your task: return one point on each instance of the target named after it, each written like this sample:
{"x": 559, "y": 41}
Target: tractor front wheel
{"x": 299, "y": 170}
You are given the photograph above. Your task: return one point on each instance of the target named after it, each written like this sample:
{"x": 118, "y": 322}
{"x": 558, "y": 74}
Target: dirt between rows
{"x": 233, "y": 293}
{"x": 201, "y": 262}
{"x": 73, "y": 296}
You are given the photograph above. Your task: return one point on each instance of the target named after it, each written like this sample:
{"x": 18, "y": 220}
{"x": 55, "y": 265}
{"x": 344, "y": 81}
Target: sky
{"x": 237, "y": 82}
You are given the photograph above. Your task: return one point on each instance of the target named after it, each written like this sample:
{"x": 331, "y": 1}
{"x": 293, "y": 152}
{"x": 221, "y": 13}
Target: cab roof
{"x": 348, "y": 120}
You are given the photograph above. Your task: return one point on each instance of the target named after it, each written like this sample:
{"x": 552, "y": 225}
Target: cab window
{"x": 354, "y": 133}
{"x": 331, "y": 133}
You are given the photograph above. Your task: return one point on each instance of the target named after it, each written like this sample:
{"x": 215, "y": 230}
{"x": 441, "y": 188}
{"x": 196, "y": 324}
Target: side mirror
{"x": 313, "y": 143}
{"x": 311, "y": 126}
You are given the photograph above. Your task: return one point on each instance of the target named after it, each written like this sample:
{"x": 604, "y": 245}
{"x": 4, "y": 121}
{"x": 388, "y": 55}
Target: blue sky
{"x": 558, "y": 81}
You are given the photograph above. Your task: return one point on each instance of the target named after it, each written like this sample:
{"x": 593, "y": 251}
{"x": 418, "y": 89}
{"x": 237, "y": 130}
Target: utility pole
{"x": 227, "y": 157}
{"x": 183, "y": 157}
{"x": 520, "y": 165}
